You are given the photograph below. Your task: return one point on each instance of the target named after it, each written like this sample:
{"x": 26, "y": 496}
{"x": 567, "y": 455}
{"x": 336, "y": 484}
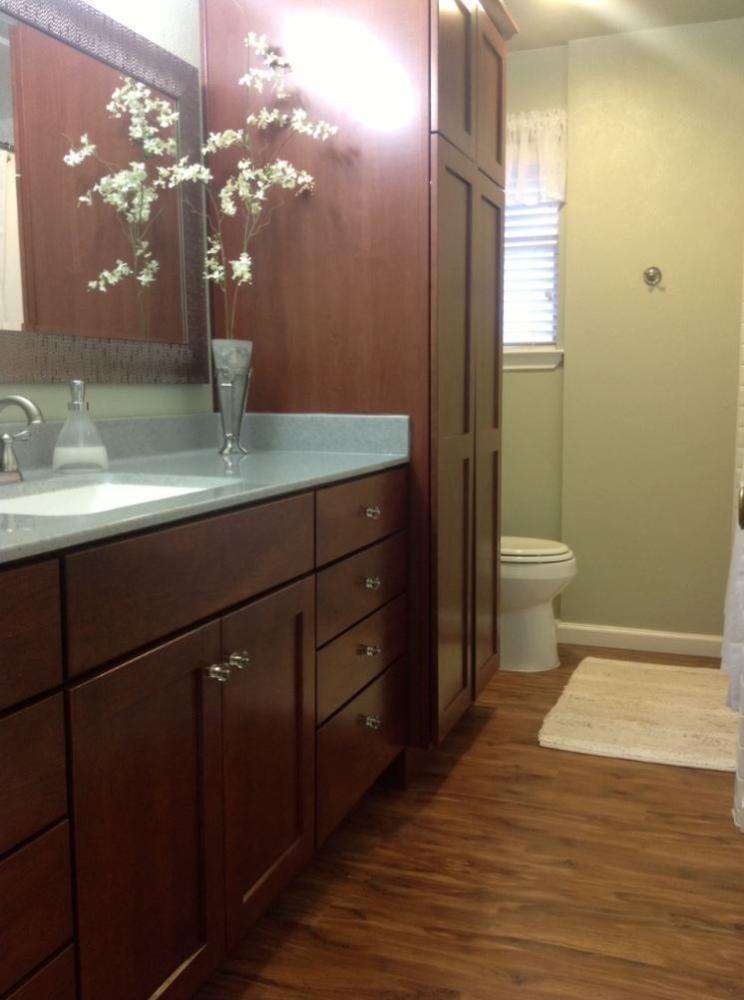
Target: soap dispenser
{"x": 79, "y": 446}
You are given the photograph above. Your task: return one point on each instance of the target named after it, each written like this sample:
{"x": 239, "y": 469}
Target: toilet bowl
{"x": 534, "y": 571}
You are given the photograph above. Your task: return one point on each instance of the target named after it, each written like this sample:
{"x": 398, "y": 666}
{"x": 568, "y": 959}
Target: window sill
{"x": 532, "y": 359}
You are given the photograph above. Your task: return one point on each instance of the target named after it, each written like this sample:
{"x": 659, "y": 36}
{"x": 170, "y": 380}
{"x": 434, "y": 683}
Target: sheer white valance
{"x": 536, "y": 157}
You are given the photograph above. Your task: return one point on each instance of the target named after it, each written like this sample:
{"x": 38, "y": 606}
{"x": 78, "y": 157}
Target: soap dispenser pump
{"x": 79, "y": 446}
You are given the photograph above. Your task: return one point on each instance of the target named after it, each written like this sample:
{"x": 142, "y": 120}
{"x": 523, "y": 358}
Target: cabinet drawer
{"x": 356, "y": 514}
{"x": 125, "y": 595}
{"x": 350, "y": 662}
{"x": 33, "y": 782}
{"x": 359, "y": 585}
{"x": 56, "y": 981}
{"x": 357, "y": 744}
{"x": 30, "y": 631}
{"x": 36, "y": 910}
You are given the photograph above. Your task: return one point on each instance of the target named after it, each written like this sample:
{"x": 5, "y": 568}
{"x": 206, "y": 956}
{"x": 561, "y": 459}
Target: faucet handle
{"x": 9, "y": 471}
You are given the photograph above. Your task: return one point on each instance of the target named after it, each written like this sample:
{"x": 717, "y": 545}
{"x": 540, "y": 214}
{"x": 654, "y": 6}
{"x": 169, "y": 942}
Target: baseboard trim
{"x": 645, "y": 640}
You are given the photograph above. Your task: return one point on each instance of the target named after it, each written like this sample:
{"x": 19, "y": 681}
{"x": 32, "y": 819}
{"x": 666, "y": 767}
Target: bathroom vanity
{"x": 186, "y": 711}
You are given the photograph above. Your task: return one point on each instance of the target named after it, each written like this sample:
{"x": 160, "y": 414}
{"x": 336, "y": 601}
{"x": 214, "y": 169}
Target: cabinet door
{"x": 269, "y": 749}
{"x": 454, "y": 72}
{"x": 487, "y": 338}
{"x": 453, "y": 426}
{"x": 147, "y": 807}
{"x": 491, "y": 109}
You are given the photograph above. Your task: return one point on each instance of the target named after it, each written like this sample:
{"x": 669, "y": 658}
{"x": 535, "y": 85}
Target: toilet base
{"x": 529, "y": 641}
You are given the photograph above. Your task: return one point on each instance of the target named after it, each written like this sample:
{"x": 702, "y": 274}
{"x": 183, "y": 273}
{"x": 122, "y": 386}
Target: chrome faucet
{"x": 9, "y": 471}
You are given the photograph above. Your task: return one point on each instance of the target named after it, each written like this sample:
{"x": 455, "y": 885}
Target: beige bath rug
{"x": 645, "y": 711}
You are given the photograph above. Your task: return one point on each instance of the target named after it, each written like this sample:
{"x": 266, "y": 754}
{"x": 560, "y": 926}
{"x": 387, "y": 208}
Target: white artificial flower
{"x": 228, "y": 205}
{"x": 182, "y": 172}
{"x": 214, "y": 269}
{"x": 148, "y": 117}
{"x": 223, "y": 140}
{"x": 242, "y": 269}
{"x": 107, "y": 279}
{"x": 76, "y": 156}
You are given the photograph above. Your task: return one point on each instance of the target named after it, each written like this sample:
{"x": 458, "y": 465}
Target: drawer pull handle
{"x": 218, "y": 672}
{"x": 373, "y": 722}
{"x": 240, "y": 660}
{"x": 373, "y": 512}
{"x": 372, "y": 583}
{"x": 370, "y": 650}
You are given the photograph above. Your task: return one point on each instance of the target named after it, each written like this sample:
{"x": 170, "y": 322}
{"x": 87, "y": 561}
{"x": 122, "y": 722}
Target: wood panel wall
{"x": 339, "y": 311}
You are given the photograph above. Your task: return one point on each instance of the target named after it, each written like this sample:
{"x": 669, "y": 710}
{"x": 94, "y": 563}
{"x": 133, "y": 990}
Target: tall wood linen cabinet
{"x": 382, "y": 292}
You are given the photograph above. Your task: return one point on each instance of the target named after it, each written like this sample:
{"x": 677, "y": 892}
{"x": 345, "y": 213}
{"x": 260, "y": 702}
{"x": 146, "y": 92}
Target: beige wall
{"x": 533, "y": 401}
{"x": 173, "y": 24}
{"x": 656, "y": 163}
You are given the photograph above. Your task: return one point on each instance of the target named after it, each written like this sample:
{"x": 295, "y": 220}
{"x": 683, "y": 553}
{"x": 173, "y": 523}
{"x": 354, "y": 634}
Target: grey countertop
{"x": 288, "y": 454}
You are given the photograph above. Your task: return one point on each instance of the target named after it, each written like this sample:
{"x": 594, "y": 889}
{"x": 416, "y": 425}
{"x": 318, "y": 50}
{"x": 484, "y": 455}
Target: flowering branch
{"x": 245, "y": 193}
{"x": 133, "y": 191}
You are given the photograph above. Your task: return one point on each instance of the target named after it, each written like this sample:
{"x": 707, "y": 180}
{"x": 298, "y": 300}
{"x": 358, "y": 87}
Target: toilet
{"x": 534, "y": 571}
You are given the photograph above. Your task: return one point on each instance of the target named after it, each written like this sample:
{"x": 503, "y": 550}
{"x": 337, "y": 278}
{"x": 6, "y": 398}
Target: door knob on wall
{"x": 653, "y": 276}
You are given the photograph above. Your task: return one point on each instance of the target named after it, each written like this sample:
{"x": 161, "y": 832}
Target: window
{"x": 531, "y": 275}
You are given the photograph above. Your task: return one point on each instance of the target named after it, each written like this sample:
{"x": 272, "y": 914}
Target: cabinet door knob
{"x": 370, "y": 650}
{"x": 372, "y": 583}
{"x": 240, "y": 660}
{"x": 373, "y": 722}
{"x": 373, "y": 512}
{"x": 218, "y": 672}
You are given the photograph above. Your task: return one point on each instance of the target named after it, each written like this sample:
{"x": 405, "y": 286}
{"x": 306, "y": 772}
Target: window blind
{"x": 531, "y": 274}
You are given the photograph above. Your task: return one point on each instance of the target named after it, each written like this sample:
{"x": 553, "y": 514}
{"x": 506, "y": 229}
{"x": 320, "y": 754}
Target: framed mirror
{"x": 60, "y": 63}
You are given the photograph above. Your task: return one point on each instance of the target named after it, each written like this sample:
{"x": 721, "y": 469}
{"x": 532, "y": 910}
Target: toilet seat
{"x": 517, "y": 550}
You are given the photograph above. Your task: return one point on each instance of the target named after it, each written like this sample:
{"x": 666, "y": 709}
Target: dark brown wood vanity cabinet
{"x": 268, "y": 749}
{"x": 399, "y": 301}
{"x": 36, "y": 917}
{"x": 362, "y": 627}
{"x": 30, "y": 631}
{"x": 223, "y": 705}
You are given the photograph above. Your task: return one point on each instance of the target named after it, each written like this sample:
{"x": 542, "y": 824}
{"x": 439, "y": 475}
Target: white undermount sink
{"x": 95, "y": 498}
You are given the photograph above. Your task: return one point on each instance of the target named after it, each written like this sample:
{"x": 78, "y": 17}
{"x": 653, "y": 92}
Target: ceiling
{"x": 555, "y": 22}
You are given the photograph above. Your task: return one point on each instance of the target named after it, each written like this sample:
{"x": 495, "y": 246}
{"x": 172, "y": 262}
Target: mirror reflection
{"x": 70, "y": 263}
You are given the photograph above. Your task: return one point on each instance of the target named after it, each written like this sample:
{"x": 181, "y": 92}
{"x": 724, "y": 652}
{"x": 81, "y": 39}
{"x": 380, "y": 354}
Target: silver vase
{"x": 232, "y": 372}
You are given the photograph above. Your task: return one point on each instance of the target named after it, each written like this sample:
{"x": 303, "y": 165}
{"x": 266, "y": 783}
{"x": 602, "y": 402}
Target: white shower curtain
{"x": 733, "y": 659}
{"x": 11, "y": 289}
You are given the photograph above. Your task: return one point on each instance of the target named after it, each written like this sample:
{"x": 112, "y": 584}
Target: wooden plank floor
{"x": 509, "y": 871}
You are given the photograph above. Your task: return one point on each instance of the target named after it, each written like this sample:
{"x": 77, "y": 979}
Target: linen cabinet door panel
{"x": 454, "y": 73}
{"x": 490, "y": 98}
{"x": 146, "y": 776}
{"x": 487, "y": 337}
{"x": 453, "y": 425}
{"x": 269, "y": 749}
